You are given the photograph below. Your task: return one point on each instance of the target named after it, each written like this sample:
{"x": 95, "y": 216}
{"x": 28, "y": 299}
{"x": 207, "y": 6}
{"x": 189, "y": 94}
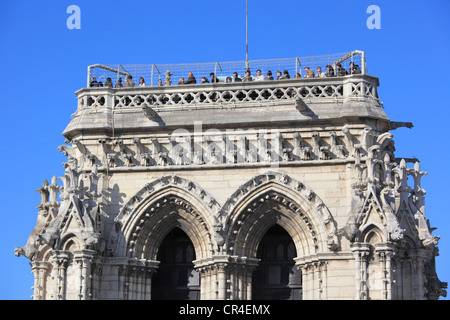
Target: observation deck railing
{"x": 329, "y": 89}
{"x": 259, "y": 92}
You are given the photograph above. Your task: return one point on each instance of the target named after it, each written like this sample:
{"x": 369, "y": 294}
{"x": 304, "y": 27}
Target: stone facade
{"x": 225, "y": 163}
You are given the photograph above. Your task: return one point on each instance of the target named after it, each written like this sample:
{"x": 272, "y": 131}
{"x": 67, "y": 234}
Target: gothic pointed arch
{"x": 373, "y": 210}
{"x": 373, "y": 234}
{"x": 72, "y": 221}
{"x": 71, "y": 242}
{"x": 276, "y": 198}
{"x": 168, "y": 202}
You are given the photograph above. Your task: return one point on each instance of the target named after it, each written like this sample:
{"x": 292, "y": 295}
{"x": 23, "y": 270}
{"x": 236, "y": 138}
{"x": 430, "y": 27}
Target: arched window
{"x": 276, "y": 277}
{"x": 176, "y": 278}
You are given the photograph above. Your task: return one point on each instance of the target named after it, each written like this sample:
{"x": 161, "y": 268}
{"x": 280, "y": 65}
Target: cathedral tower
{"x": 264, "y": 189}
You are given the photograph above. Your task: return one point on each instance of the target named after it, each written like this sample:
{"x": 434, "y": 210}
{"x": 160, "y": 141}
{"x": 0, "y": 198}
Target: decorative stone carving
{"x": 306, "y": 153}
{"x": 324, "y": 153}
{"x": 47, "y": 212}
{"x": 109, "y": 157}
{"x": 164, "y": 182}
{"x": 349, "y": 140}
{"x": 417, "y": 175}
{"x": 299, "y": 188}
{"x": 289, "y": 91}
{"x": 127, "y": 158}
{"x": 297, "y": 151}
{"x": 316, "y": 144}
{"x": 367, "y": 139}
{"x": 86, "y": 156}
{"x": 230, "y": 149}
{"x": 111, "y": 160}
{"x": 149, "y": 113}
{"x": 67, "y": 151}
{"x": 335, "y": 148}
{"x": 143, "y": 157}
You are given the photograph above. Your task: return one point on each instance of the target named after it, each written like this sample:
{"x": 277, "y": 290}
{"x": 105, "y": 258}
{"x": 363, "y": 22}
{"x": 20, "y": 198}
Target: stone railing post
{"x": 347, "y": 88}
{"x": 109, "y": 99}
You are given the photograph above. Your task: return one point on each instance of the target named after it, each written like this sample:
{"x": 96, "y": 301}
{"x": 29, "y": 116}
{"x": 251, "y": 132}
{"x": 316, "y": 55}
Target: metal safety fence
{"x": 170, "y": 74}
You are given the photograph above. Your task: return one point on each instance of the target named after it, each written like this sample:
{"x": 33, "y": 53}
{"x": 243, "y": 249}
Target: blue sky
{"x": 43, "y": 63}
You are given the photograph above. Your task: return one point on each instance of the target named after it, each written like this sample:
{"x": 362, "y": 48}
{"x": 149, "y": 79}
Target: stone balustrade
{"x": 330, "y": 89}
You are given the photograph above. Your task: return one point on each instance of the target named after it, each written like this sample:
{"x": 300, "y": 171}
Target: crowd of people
{"x": 331, "y": 72}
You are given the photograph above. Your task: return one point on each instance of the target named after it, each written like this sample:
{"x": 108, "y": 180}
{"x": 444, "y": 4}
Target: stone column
{"x": 313, "y": 280}
{"x": 232, "y": 290}
{"x": 241, "y": 290}
{"x": 241, "y": 275}
{"x": 248, "y": 280}
{"x": 310, "y": 289}
{"x": 386, "y": 252}
{"x": 361, "y": 252}
{"x": 213, "y": 272}
{"x": 137, "y": 277}
{"x": 221, "y": 278}
{"x": 206, "y": 285}
{"x": 226, "y": 277}
{"x": 419, "y": 281}
{"x": 318, "y": 280}
{"x": 201, "y": 272}
{"x": 324, "y": 280}
{"x": 60, "y": 259}
{"x": 305, "y": 282}
{"x": 40, "y": 270}
{"x": 148, "y": 275}
{"x": 84, "y": 259}
{"x": 123, "y": 282}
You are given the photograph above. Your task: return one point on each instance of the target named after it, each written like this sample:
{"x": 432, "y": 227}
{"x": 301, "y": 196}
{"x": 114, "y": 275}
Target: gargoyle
{"x": 67, "y": 151}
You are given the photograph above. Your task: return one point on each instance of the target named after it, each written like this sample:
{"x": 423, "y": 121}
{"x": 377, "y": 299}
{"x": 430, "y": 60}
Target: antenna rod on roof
{"x": 246, "y": 35}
